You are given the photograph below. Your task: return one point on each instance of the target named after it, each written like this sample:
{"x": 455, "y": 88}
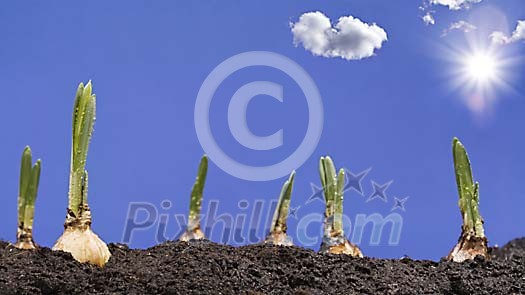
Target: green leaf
{"x": 35, "y": 180}
{"x": 29, "y": 181}
{"x": 25, "y": 179}
{"x": 196, "y": 193}
{"x": 338, "y": 203}
{"x": 322, "y": 172}
{"x": 283, "y": 206}
{"x": 329, "y": 184}
{"x": 77, "y": 111}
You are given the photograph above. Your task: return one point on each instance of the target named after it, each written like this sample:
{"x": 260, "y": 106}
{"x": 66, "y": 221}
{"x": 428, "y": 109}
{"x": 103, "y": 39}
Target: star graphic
{"x": 292, "y": 212}
{"x": 379, "y": 191}
{"x": 317, "y": 194}
{"x": 353, "y": 181}
{"x": 399, "y": 204}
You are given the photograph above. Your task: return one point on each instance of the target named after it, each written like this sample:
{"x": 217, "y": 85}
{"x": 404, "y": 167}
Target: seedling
{"x": 29, "y": 179}
{"x": 472, "y": 241}
{"x": 78, "y": 238}
{"x": 193, "y": 231}
{"x": 278, "y": 228}
{"x": 334, "y": 240}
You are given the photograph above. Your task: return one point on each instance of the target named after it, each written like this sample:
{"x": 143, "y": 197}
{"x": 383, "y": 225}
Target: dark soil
{"x": 209, "y": 268}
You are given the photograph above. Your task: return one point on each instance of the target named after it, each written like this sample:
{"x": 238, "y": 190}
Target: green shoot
{"x": 333, "y": 183}
{"x": 333, "y": 192}
{"x": 468, "y": 192}
{"x": 278, "y": 228}
{"x": 193, "y": 231}
{"x": 29, "y": 180}
{"x": 472, "y": 241}
{"x": 78, "y": 238}
{"x": 83, "y": 124}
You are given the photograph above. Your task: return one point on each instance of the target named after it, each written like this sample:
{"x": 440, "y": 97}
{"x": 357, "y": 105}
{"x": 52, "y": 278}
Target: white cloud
{"x": 426, "y": 7}
{"x": 460, "y": 25}
{"x": 428, "y": 19}
{"x": 350, "y": 38}
{"x": 455, "y": 4}
{"x": 499, "y": 38}
{"x": 518, "y": 34}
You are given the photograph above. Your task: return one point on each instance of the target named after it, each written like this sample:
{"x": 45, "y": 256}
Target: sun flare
{"x": 480, "y": 73}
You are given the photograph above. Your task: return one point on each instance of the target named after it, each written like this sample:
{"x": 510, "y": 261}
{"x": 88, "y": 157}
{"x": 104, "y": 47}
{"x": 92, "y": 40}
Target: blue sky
{"x": 395, "y": 112}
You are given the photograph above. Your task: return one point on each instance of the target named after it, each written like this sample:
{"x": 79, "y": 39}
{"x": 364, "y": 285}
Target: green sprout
{"x": 334, "y": 240}
{"x": 78, "y": 238}
{"x": 29, "y": 180}
{"x": 278, "y": 228}
{"x": 472, "y": 241}
{"x": 193, "y": 231}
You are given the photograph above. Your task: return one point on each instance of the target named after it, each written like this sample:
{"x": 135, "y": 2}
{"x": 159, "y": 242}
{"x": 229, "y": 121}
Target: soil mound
{"x": 209, "y": 268}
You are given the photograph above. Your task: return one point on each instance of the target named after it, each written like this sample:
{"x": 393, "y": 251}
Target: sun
{"x": 480, "y": 75}
{"x": 481, "y": 71}
{"x": 481, "y": 67}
